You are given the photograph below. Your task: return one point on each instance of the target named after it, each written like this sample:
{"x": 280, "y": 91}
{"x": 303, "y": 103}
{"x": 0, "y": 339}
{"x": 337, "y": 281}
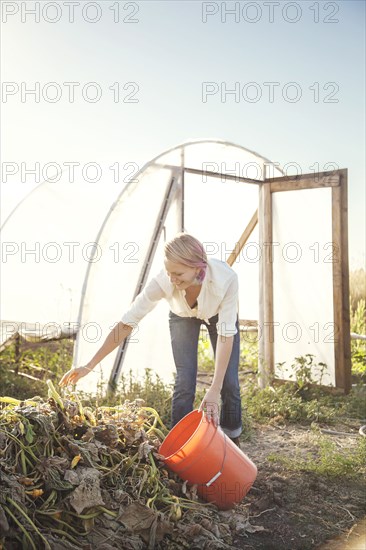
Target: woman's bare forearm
{"x": 114, "y": 339}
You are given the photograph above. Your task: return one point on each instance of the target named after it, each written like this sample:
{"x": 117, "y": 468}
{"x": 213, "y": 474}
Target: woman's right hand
{"x": 72, "y": 376}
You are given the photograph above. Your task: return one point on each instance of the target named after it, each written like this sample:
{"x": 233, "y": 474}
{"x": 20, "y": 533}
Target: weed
{"x": 305, "y": 372}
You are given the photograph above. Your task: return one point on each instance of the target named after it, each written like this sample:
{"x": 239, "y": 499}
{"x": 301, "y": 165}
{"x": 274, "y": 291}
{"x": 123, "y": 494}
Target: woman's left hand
{"x": 210, "y": 405}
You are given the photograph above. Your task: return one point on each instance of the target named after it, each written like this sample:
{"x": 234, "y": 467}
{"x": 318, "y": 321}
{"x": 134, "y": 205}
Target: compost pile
{"x": 73, "y": 477}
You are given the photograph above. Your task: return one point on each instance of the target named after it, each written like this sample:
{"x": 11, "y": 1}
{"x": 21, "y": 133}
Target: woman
{"x": 199, "y": 291}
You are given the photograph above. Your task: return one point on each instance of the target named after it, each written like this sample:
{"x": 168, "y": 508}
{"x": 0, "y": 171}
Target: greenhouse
{"x": 75, "y": 254}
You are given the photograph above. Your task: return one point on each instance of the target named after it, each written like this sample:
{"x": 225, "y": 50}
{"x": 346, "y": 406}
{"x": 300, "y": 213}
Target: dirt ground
{"x": 297, "y": 510}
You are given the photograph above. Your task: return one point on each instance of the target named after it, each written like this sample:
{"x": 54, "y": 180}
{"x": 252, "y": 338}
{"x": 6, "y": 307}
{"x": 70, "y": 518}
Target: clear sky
{"x": 296, "y": 71}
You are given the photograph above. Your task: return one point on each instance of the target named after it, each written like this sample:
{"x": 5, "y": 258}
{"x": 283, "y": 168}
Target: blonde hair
{"x": 187, "y": 250}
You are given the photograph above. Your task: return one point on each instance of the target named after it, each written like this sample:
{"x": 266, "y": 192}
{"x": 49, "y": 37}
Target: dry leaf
{"x": 75, "y": 461}
{"x": 87, "y": 494}
{"x": 145, "y": 522}
{"x": 144, "y": 449}
{"x": 254, "y": 528}
{"x": 26, "y": 481}
{"x": 35, "y": 493}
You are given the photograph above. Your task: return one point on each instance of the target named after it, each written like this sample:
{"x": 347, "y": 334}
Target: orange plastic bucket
{"x": 202, "y": 454}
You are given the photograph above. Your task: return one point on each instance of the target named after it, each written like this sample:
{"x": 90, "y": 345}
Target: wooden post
{"x": 266, "y": 333}
{"x": 341, "y": 313}
{"x": 243, "y": 239}
{"x": 261, "y": 366}
{"x": 345, "y": 282}
{"x": 337, "y": 287}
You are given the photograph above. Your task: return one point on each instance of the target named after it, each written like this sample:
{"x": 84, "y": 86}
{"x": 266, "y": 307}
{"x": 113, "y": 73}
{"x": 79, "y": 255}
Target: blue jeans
{"x": 184, "y": 333}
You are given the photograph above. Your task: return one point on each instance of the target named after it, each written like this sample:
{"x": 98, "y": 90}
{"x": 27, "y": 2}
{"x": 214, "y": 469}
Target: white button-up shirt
{"x": 218, "y": 295}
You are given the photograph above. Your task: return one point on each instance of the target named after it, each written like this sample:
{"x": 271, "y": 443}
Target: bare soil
{"x": 297, "y": 510}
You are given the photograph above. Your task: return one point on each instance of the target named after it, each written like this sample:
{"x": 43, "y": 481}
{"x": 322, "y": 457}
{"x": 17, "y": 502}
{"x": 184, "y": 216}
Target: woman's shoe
{"x": 236, "y": 440}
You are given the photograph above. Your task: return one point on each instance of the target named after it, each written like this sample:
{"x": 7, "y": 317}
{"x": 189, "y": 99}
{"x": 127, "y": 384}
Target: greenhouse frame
{"x": 75, "y": 255}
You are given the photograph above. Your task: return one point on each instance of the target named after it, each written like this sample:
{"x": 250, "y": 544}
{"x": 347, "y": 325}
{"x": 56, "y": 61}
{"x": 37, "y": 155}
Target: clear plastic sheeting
{"x": 218, "y": 213}
{"x": 46, "y": 244}
{"x": 303, "y": 281}
{"x": 12, "y": 194}
{"x": 112, "y": 281}
{"x": 151, "y": 348}
{"x": 224, "y": 159}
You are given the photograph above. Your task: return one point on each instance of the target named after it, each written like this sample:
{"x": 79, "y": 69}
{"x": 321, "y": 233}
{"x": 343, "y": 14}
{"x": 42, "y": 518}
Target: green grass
{"x": 328, "y": 459}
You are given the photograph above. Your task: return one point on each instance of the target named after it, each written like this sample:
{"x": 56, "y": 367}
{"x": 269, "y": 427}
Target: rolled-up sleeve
{"x": 228, "y": 310}
{"x": 143, "y": 303}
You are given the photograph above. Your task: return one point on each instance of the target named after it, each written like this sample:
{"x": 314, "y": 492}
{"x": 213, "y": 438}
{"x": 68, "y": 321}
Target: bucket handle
{"x": 213, "y": 479}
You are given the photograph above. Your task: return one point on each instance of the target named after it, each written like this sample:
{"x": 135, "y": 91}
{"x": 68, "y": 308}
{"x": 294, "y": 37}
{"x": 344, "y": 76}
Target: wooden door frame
{"x": 337, "y": 181}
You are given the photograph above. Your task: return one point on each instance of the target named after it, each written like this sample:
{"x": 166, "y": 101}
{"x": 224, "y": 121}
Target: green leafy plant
{"x": 305, "y": 372}
{"x": 302, "y": 400}
{"x": 358, "y": 347}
